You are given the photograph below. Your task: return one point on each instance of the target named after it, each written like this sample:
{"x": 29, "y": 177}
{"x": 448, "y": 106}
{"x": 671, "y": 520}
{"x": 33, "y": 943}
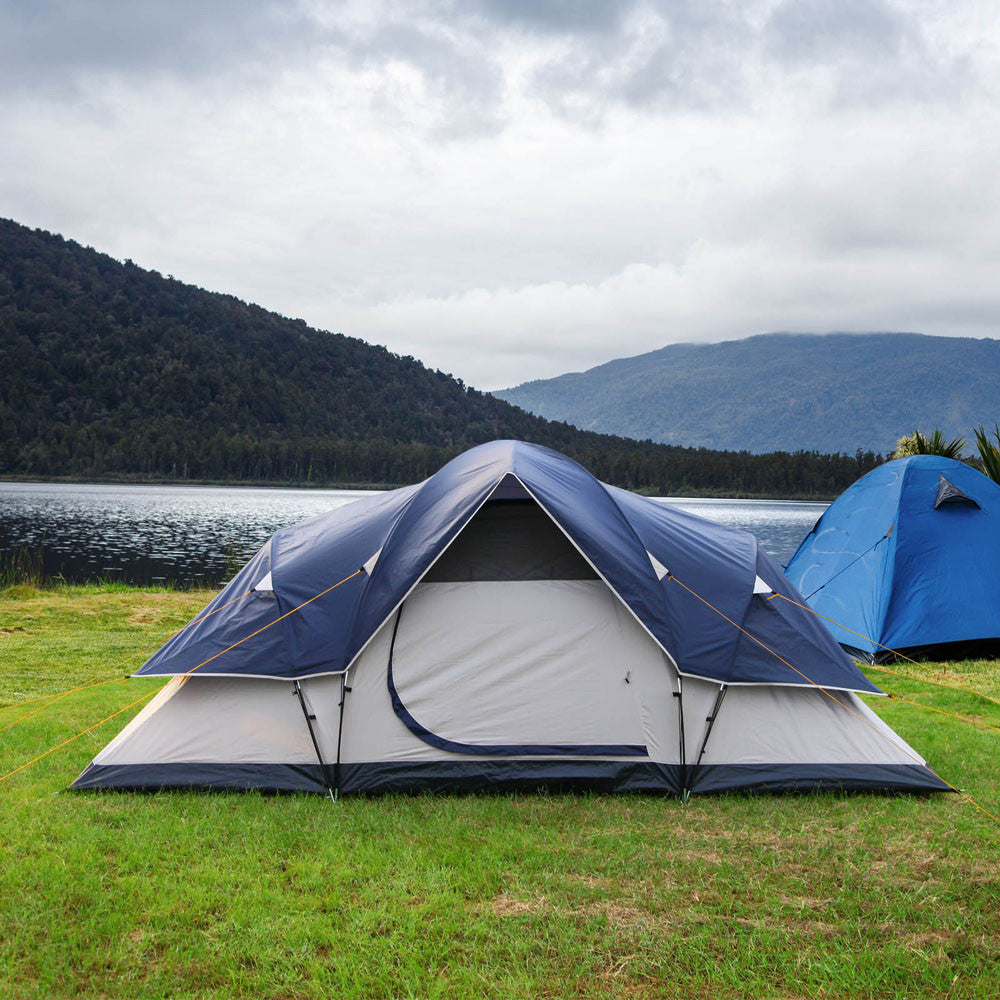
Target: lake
{"x": 198, "y": 534}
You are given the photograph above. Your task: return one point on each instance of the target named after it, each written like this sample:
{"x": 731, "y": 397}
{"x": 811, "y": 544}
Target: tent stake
{"x": 312, "y": 735}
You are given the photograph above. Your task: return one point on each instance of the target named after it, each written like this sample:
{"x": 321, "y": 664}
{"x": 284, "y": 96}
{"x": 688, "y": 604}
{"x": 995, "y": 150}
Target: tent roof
{"x": 907, "y": 556}
{"x": 398, "y": 535}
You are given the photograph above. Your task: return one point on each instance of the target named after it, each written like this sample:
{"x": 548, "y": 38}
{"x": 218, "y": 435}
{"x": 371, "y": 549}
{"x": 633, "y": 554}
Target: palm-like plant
{"x": 917, "y": 444}
{"x": 936, "y": 445}
{"x": 989, "y": 453}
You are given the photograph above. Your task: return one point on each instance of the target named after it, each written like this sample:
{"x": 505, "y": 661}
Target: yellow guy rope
{"x": 847, "y": 708}
{"x": 113, "y": 680}
{"x": 157, "y": 642}
{"x": 187, "y": 673}
{"x": 941, "y": 711}
{"x": 239, "y": 642}
{"x": 82, "y": 687}
{"x": 52, "y": 697}
{"x": 190, "y": 624}
{"x": 59, "y": 746}
{"x": 888, "y": 649}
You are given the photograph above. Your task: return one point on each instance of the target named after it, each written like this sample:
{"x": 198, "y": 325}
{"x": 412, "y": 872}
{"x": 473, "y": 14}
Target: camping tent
{"x": 906, "y": 558}
{"x": 511, "y": 622}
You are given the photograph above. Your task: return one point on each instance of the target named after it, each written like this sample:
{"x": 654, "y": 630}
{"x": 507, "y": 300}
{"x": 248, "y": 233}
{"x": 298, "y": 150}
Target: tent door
{"x": 516, "y": 668}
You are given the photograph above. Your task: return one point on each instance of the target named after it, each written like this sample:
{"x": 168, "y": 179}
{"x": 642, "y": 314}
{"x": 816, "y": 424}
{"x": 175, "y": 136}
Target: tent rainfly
{"x": 511, "y": 623}
{"x": 906, "y": 559}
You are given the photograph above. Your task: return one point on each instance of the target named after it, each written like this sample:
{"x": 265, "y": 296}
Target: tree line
{"x": 111, "y": 371}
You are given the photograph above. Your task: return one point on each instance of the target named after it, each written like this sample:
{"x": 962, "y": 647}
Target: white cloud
{"x": 509, "y": 191}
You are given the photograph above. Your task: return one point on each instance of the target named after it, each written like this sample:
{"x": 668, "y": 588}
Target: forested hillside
{"x": 833, "y": 392}
{"x": 111, "y": 371}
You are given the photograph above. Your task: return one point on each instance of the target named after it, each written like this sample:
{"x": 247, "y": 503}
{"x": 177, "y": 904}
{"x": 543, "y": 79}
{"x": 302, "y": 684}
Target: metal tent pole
{"x": 710, "y": 719}
{"x": 679, "y": 695}
{"x": 310, "y": 718}
{"x": 344, "y": 691}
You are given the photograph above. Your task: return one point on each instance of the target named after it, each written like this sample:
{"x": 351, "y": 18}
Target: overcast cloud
{"x": 511, "y": 189}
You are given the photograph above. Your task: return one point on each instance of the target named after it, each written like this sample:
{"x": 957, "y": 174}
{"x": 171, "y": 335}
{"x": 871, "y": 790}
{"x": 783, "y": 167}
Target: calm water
{"x": 193, "y": 534}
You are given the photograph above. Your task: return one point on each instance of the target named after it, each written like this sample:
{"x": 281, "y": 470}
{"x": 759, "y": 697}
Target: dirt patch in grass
{"x": 506, "y": 906}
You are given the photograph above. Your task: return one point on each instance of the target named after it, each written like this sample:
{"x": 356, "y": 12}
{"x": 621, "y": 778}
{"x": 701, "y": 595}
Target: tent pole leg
{"x": 344, "y": 690}
{"x": 679, "y": 695}
{"x": 723, "y": 688}
{"x": 310, "y": 718}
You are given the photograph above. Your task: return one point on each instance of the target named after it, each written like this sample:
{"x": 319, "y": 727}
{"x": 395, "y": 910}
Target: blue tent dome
{"x": 907, "y": 557}
{"x": 635, "y": 544}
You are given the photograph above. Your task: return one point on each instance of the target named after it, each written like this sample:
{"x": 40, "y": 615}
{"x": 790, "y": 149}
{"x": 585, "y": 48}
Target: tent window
{"x": 510, "y": 540}
{"x": 949, "y": 493}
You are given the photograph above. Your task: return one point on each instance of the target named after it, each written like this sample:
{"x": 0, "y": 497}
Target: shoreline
{"x": 236, "y": 484}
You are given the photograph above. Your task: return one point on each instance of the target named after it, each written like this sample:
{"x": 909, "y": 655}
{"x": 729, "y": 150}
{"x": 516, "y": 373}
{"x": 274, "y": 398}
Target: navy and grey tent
{"x": 907, "y": 558}
{"x": 511, "y": 622}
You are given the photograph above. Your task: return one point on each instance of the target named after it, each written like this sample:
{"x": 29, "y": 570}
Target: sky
{"x": 513, "y": 189}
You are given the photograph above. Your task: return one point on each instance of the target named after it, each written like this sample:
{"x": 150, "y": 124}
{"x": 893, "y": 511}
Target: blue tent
{"x": 907, "y": 558}
{"x": 509, "y": 622}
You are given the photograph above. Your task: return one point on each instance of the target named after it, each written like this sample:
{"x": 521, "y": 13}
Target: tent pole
{"x": 344, "y": 690}
{"x": 679, "y": 695}
{"x": 723, "y": 688}
{"x": 312, "y": 735}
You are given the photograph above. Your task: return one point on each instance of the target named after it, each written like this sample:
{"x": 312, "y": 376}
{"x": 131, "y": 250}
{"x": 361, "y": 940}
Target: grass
{"x": 241, "y": 895}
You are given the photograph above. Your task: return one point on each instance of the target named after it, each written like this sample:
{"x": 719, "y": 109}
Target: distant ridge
{"x": 828, "y": 392}
{"x": 109, "y": 371}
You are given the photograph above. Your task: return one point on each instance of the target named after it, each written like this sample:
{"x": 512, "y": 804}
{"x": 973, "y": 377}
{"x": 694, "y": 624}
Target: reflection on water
{"x": 778, "y": 524}
{"x": 150, "y": 533}
{"x": 192, "y": 534}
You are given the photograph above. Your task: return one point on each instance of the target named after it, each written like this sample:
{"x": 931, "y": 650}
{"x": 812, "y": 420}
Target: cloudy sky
{"x": 511, "y": 189}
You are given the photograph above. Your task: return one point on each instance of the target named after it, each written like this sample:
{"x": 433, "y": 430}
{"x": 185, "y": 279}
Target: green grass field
{"x": 240, "y": 895}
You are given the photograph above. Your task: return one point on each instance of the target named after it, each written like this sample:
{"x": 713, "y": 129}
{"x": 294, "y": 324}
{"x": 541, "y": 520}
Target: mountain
{"x": 110, "y": 371}
{"x": 833, "y": 392}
